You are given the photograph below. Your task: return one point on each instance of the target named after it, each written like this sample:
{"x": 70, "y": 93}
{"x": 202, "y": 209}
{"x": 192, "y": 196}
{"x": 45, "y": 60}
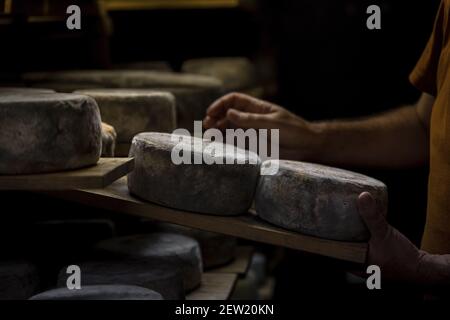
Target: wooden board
{"x": 215, "y": 286}
{"x": 240, "y": 264}
{"x": 125, "y": 5}
{"x": 117, "y": 198}
{"x": 101, "y": 175}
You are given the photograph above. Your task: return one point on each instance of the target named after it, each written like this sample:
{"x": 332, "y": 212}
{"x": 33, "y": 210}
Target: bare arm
{"x": 397, "y": 138}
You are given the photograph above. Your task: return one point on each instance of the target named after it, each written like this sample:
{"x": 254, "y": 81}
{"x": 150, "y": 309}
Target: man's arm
{"x": 398, "y": 138}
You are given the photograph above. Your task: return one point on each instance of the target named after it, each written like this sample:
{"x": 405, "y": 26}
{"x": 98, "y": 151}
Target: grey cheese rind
{"x": 236, "y": 73}
{"x": 317, "y": 200}
{"x": 132, "y": 111}
{"x": 100, "y": 292}
{"x": 179, "y": 251}
{"x": 160, "y": 277}
{"x": 79, "y": 79}
{"x": 192, "y": 103}
{"x": 217, "y": 189}
{"x": 217, "y": 249}
{"x": 47, "y": 132}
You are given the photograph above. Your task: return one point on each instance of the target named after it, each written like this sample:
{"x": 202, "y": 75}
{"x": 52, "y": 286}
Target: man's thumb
{"x": 374, "y": 220}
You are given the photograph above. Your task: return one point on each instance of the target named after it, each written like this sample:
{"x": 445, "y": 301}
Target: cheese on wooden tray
{"x": 217, "y": 249}
{"x": 162, "y": 278}
{"x": 317, "y": 200}
{"x": 100, "y": 292}
{"x": 132, "y": 111}
{"x": 160, "y": 248}
{"x": 47, "y": 132}
{"x": 217, "y": 188}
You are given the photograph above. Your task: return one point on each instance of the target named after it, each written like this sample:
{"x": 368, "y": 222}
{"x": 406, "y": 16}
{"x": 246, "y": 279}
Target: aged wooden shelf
{"x": 114, "y": 5}
{"x": 101, "y": 175}
{"x": 214, "y": 286}
{"x": 240, "y": 264}
{"x": 117, "y": 198}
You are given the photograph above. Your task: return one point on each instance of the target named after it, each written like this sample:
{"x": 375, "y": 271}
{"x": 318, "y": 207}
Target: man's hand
{"x": 398, "y": 258}
{"x": 298, "y": 139}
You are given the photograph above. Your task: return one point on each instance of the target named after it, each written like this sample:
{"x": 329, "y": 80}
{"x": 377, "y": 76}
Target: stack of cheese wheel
{"x": 24, "y": 90}
{"x": 132, "y": 111}
{"x": 193, "y": 93}
{"x": 81, "y": 79}
{"x": 145, "y": 65}
{"x": 165, "y": 174}
{"x": 19, "y": 280}
{"x": 192, "y": 104}
{"x": 236, "y": 73}
{"x": 159, "y": 277}
{"x": 316, "y": 200}
{"x": 100, "y": 292}
{"x": 217, "y": 249}
{"x": 173, "y": 250}
{"x": 44, "y": 132}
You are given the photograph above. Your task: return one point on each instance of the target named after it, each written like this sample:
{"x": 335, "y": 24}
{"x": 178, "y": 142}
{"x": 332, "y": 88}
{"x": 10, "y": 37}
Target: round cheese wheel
{"x": 217, "y": 249}
{"x": 192, "y": 104}
{"x": 45, "y": 132}
{"x": 236, "y": 73}
{"x": 316, "y": 200}
{"x": 219, "y": 189}
{"x": 145, "y": 65}
{"x": 163, "y": 278}
{"x": 132, "y": 111}
{"x": 161, "y": 248}
{"x": 24, "y": 90}
{"x": 19, "y": 280}
{"x": 121, "y": 79}
{"x": 100, "y": 292}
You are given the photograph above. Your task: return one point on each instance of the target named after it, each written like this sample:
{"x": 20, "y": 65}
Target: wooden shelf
{"x": 126, "y": 5}
{"x": 101, "y": 175}
{"x": 117, "y": 198}
{"x": 215, "y": 286}
{"x": 240, "y": 264}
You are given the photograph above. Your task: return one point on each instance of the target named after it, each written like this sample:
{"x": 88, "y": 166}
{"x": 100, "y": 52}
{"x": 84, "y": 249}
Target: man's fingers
{"x": 237, "y": 101}
{"x": 374, "y": 220}
{"x": 209, "y": 122}
{"x": 249, "y": 120}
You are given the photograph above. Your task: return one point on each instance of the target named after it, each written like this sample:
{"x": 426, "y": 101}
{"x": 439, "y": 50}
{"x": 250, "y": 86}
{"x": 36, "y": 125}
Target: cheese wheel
{"x": 316, "y": 200}
{"x": 24, "y": 90}
{"x": 45, "y": 132}
{"x": 192, "y": 104}
{"x": 161, "y": 248}
{"x": 100, "y": 292}
{"x": 132, "y": 111}
{"x": 217, "y": 249}
{"x": 145, "y": 65}
{"x": 219, "y": 189}
{"x": 120, "y": 79}
{"x": 19, "y": 280}
{"x": 160, "y": 277}
{"x": 236, "y": 73}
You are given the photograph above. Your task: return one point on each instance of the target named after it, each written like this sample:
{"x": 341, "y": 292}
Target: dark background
{"x": 325, "y": 62}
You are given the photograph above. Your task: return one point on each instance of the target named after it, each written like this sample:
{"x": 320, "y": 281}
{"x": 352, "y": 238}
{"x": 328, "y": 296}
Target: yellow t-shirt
{"x": 432, "y": 75}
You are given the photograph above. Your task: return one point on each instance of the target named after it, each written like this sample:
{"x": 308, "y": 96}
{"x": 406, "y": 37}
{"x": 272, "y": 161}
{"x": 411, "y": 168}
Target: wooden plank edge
{"x": 348, "y": 251}
{"x": 59, "y": 179}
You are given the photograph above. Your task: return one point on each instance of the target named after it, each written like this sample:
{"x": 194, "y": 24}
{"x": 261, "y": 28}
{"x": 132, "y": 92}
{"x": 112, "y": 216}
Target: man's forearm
{"x": 394, "y": 139}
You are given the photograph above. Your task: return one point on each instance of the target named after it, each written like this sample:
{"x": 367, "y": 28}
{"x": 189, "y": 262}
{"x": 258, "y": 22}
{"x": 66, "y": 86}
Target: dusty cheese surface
{"x": 317, "y": 200}
{"x": 219, "y": 189}
{"x": 47, "y": 132}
